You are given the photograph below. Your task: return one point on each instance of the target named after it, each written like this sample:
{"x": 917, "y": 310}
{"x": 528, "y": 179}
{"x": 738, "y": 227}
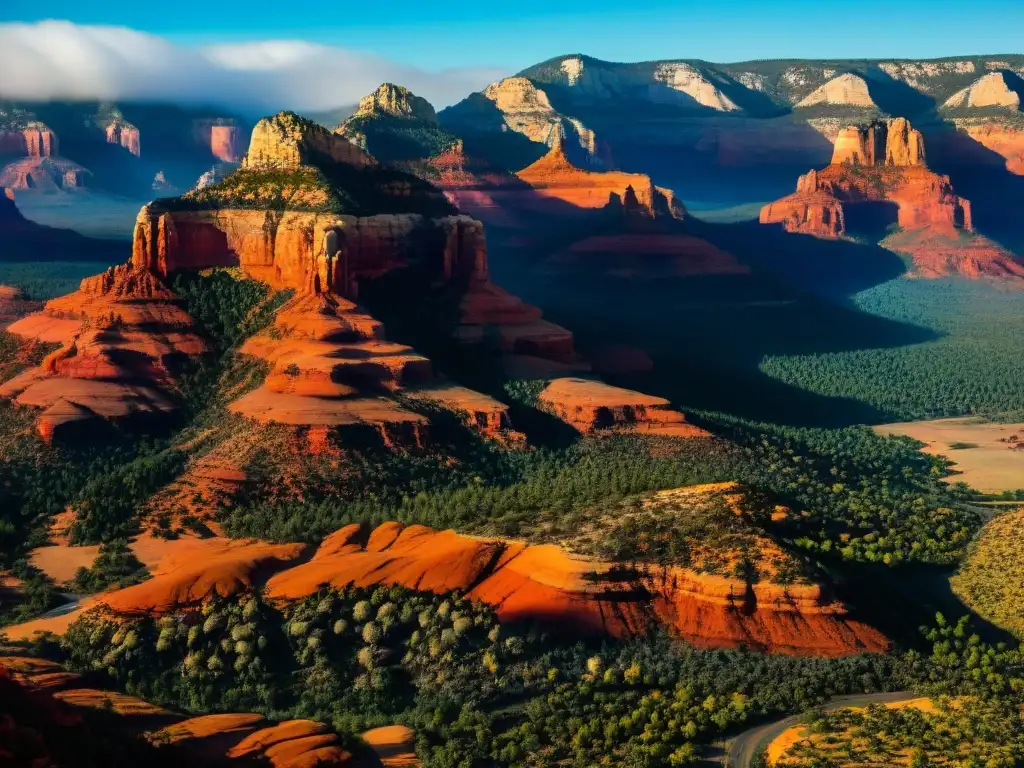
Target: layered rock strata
{"x": 126, "y": 135}
{"x": 882, "y": 163}
{"x": 555, "y": 177}
{"x": 524, "y": 582}
{"x": 122, "y": 339}
{"x": 591, "y": 406}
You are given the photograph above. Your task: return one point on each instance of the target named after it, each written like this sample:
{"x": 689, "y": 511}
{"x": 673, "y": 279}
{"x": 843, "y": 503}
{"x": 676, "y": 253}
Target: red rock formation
{"x": 40, "y": 141}
{"x": 121, "y": 335}
{"x": 590, "y": 405}
{"x": 1007, "y": 141}
{"x": 935, "y": 254}
{"x": 224, "y": 140}
{"x": 41, "y": 728}
{"x": 125, "y": 134}
{"x": 555, "y": 177}
{"x": 880, "y": 163}
{"x": 226, "y": 143}
{"x": 893, "y": 143}
{"x": 45, "y": 173}
{"x": 544, "y": 583}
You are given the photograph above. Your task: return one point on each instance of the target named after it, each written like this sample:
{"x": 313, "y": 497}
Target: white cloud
{"x": 56, "y": 60}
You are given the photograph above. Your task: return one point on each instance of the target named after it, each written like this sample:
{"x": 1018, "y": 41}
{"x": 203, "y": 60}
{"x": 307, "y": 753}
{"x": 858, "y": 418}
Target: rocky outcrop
{"x": 935, "y": 254}
{"x": 877, "y": 173}
{"x": 526, "y": 109}
{"x": 1005, "y": 141}
{"x": 289, "y": 141}
{"x": 126, "y": 135}
{"x": 34, "y": 140}
{"x": 555, "y": 177}
{"x": 589, "y": 406}
{"x": 226, "y": 143}
{"x": 685, "y": 81}
{"x": 395, "y": 101}
{"x": 122, "y": 340}
{"x": 43, "y": 173}
{"x": 40, "y": 141}
{"x": 544, "y": 583}
{"x": 996, "y": 89}
{"x": 846, "y": 90}
{"x": 892, "y": 143}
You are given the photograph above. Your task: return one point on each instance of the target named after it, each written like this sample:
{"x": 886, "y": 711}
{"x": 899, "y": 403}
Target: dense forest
{"x": 971, "y": 368}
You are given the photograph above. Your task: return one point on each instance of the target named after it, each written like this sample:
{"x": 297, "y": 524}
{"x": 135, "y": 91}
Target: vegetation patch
{"x": 991, "y": 578}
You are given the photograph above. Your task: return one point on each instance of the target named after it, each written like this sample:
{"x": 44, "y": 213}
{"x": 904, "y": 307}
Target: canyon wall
{"x": 35, "y": 140}
{"x": 310, "y": 252}
{"x": 126, "y": 135}
{"x": 880, "y": 163}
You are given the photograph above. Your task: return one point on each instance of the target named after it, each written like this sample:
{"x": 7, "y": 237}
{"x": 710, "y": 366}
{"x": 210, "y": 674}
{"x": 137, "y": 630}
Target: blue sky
{"x": 459, "y": 33}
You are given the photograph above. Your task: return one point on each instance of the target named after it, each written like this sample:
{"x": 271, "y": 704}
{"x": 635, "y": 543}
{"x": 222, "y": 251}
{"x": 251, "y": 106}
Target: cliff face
{"x": 125, "y": 134}
{"x": 996, "y": 89}
{"x": 223, "y": 139}
{"x": 288, "y": 141}
{"x": 892, "y": 143}
{"x": 876, "y": 164}
{"x": 878, "y": 179}
{"x": 40, "y": 141}
{"x": 44, "y": 173}
{"x": 35, "y": 140}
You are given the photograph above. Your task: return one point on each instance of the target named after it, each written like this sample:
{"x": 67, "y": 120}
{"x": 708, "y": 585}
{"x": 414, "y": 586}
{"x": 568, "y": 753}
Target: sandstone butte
{"x": 124, "y": 134}
{"x": 524, "y": 582}
{"x": 122, "y": 335}
{"x": 40, "y": 166}
{"x": 878, "y": 172}
{"x": 554, "y": 176}
{"x": 43, "y": 691}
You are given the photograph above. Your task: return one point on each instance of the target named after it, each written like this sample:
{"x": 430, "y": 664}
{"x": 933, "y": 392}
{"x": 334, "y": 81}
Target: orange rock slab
{"x": 574, "y": 594}
{"x": 590, "y": 405}
{"x": 223, "y": 567}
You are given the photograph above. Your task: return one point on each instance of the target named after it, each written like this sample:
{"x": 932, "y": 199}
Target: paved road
{"x": 68, "y": 607}
{"x": 741, "y": 750}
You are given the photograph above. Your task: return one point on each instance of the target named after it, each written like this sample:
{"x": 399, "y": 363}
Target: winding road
{"x": 741, "y": 750}
{"x": 68, "y": 607}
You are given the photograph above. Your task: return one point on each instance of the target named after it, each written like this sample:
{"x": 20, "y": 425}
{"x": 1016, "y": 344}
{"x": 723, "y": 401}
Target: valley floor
{"x": 985, "y": 455}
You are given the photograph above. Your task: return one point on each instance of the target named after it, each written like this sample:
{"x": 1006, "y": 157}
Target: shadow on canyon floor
{"x": 913, "y": 595}
{"x": 980, "y": 175}
{"x": 708, "y": 334}
{"x": 23, "y": 240}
